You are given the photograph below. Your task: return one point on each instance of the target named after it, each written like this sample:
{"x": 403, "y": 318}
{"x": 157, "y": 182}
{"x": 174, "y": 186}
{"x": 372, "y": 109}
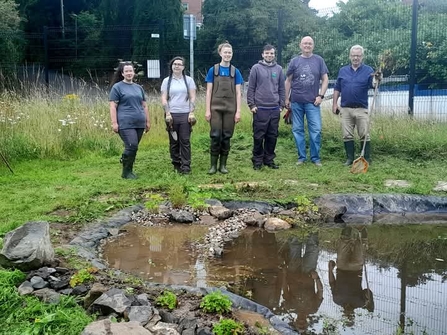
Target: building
{"x": 194, "y": 7}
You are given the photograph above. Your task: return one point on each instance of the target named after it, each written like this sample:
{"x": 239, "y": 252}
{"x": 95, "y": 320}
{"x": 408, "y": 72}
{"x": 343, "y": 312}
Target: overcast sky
{"x": 320, "y": 4}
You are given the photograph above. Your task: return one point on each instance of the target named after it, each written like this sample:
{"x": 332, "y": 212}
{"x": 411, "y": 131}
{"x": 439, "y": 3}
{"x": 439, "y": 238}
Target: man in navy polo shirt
{"x": 353, "y": 83}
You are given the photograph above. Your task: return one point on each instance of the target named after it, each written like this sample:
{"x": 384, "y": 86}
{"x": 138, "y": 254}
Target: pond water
{"x": 288, "y": 272}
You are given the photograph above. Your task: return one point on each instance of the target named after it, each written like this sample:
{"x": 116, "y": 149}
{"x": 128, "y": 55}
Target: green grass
{"x": 27, "y": 315}
{"x": 75, "y": 169}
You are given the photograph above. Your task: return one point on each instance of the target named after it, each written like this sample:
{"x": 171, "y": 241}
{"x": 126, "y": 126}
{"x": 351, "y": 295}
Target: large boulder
{"x": 28, "y": 247}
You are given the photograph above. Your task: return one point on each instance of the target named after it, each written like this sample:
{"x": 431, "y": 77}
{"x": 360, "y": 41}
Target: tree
{"x": 248, "y": 25}
{"x": 11, "y": 38}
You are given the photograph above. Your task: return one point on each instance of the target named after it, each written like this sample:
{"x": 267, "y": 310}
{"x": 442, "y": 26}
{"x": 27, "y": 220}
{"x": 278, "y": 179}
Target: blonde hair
{"x": 223, "y": 45}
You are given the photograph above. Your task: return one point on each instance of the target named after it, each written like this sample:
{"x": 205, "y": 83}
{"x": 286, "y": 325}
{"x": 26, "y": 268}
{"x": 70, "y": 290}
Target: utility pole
{"x": 414, "y": 41}
{"x": 76, "y": 33}
{"x": 62, "y": 19}
{"x": 191, "y": 45}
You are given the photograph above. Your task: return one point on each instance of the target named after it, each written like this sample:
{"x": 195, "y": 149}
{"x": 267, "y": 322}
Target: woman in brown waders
{"x": 223, "y": 106}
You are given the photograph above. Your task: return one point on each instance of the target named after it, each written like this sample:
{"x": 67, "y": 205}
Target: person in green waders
{"x": 223, "y": 106}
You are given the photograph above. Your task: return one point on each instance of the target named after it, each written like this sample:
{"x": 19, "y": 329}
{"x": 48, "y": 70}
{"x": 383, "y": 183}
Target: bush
{"x": 216, "y": 302}
{"x": 167, "y": 299}
{"x": 228, "y": 327}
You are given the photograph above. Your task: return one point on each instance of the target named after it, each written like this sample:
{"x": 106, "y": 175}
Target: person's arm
{"x": 335, "y": 97}
{"x": 324, "y": 84}
{"x": 192, "y": 106}
{"x": 251, "y": 90}
{"x": 209, "y": 92}
{"x": 237, "y": 116}
{"x": 332, "y": 281}
{"x": 146, "y": 112}
{"x": 281, "y": 91}
{"x": 287, "y": 86}
{"x": 113, "y": 117}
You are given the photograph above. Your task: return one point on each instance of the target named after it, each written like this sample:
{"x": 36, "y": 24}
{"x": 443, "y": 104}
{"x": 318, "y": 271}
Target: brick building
{"x": 194, "y": 7}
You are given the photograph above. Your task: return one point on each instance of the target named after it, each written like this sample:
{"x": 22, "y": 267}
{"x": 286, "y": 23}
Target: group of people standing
{"x": 302, "y": 90}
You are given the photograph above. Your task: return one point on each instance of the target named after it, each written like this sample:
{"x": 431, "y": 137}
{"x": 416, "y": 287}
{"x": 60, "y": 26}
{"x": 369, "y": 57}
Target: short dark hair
{"x": 268, "y": 47}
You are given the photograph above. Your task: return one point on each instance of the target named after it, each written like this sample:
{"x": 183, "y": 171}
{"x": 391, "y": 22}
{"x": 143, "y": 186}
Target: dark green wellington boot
{"x": 127, "y": 167}
{"x": 367, "y": 154}
{"x": 223, "y": 164}
{"x": 213, "y": 168}
{"x": 349, "y": 148}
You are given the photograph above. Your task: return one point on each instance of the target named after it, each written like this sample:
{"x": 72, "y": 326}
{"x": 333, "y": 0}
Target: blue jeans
{"x": 313, "y": 115}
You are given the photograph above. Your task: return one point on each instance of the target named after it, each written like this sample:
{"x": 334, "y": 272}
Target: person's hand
{"x": 254, "y": 110}
{"x": 208, "y": 115}
{"x": 331, "y": 265}
{"x": 115, "y": 127}
{"x": 314, "y": 274}
{"x": 148, "y": 126}
{"x": 318, "y": 100}
{"x": 378, "y": 76}
{"x": 287, "y": 103}
{"x": 237, "y": 117}
{"x": 192, "y": 118}
{"x": 168, "y": 119}
{"x": 335, "y": 109}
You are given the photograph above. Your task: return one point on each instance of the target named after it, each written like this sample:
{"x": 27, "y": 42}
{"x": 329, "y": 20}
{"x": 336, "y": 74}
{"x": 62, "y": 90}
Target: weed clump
{"x": 167, "y": 299}
{"x": 216, "y": 302}
{"x": 228, "y": 327}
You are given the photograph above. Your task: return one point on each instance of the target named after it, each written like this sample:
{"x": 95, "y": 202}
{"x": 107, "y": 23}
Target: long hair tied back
{"x": 183, "y": 73}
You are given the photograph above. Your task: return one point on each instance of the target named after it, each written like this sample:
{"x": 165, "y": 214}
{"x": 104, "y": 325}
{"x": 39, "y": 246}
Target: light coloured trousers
{"x": 352, "y": 118}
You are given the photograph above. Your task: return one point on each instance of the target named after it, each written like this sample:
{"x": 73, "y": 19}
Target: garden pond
{"x": 401, "y": 288}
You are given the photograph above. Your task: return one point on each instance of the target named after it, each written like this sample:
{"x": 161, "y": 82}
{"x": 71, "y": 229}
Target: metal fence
{"x": 90, "y": 54}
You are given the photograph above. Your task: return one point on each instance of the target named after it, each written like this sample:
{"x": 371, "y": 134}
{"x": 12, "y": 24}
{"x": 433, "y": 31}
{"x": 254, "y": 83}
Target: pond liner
{"x": 385, "y": 208}
{"x": 237, "y": 301}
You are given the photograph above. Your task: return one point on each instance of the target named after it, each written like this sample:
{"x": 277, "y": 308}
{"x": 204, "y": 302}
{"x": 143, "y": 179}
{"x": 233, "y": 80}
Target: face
{"x": 356, "y": 57}
{"x": 226, "y": 53}
{"x": 128, "y": 72}
{"x": 177, "y": 66}
{"x": 307, "y": 45}
{"x": 268, "y": 55}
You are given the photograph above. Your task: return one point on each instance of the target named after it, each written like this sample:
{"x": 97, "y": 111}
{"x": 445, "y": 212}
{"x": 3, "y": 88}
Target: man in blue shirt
{"x": 353, "y": 83}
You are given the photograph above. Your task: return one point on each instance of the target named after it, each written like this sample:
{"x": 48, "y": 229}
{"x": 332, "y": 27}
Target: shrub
{"x": 82, "y": 276}
{"x": 167, "y": 299}
{"x": 216, "y": 302}
{"x": 228, "y": 327}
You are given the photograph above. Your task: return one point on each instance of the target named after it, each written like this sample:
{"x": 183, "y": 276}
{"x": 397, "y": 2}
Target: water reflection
{"x": 319, "y": 282}
{"x": 346, "y": 286}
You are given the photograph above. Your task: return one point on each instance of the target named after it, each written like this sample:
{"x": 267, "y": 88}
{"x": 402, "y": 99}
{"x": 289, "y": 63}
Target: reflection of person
{"x": 347, "y": 286}
{"x": 129, "y": 114}
{"x": 266, "y": 98}
{"x": 353, "y": 83}
{"x": 303, "y": 87}
{"x": 223, "y": 106}
{"x": 178, "y": 96}
{"x": 301, "y": 284}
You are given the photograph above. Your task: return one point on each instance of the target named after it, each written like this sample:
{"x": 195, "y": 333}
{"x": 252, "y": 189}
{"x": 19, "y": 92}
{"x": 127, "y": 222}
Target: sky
{"x": 320, "y": 4}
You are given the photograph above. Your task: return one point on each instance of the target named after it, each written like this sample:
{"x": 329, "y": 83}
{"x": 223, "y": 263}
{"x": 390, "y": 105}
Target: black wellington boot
{"x": 127, "y": 167}
{"x": 367, "y": 154}
{"x": 349, "y": 148}
{"x": 213, "y": 168}
{"x": 223, "y": 164}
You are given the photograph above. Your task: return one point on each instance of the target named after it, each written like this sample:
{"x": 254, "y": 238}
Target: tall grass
{"x": 48, "y": 125}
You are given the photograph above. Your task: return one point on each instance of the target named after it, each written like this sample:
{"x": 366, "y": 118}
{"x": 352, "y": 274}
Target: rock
{"x": 167, "y": 317}
{"x": 113, "y": 300}
{"x": 143, "y": 300}
{"x": 213, "y": 202}
{"x": 59, "y": 283}
{"x": 140, "y": 314}
{"x": 220, "y": 212}
{"x": 441, "y": 186}
{"x": 61, "y": 270}
{"x": 25, "y": 288}
{"x": 79, "y": 290}
{"x": 332, "y": 212}
{"x": 106, "y": 327}
{"x": 359, "y": 208}
{"x": 95, "y": 292}
{"x": 396, "y": 183}
{"x": 38, "y": 282}
{"x": 204, "y": 331}
{"x": 27, "y": 247}
{"x": 261, "y": 207}
{"x": 181, "y": 216}
{"x": 47, "y": 295}
{"x": 273, "y": 224}
{"x": 253, "y": 219}
{"x": 66, "y": 291}
{"x": 188, "y": 325}
{"x": 163, "y": 328}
